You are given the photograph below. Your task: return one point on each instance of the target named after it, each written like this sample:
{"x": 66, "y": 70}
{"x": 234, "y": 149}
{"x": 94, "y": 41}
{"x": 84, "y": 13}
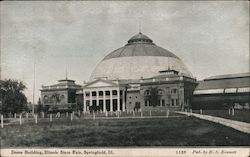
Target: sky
{"x": 210, "y": 37}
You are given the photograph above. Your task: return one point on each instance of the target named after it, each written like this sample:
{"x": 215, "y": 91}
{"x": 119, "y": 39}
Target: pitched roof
{"x": 107, "y": 82}
{"x": 225, "y": 81}
{"x": 228, "y": 76}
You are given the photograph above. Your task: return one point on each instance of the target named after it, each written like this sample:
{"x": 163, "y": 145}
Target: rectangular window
{"x": 87, "y": 102}
{"x": 159, "y": 103}
{"x": 172, "y": 102}
{"x": 150, "y": 104}
{"x": 177, "y": 102}
{"x": 93, "y": 93}
{"x": 114, "y": 92}
{"x": 146, "y": 103}
{"x": 174, "y": 91}
{"x": 107, "y": 92}
{"x": 100, "y": 93}
{"x": 163, "y": 102}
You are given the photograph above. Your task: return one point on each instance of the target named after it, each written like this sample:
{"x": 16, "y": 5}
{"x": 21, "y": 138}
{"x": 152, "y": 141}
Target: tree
{"x": 12, "y": 97}
{"x": 153, "y": 97}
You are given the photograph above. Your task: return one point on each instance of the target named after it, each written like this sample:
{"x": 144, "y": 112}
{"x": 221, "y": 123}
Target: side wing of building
{"x": 223, "y": 91}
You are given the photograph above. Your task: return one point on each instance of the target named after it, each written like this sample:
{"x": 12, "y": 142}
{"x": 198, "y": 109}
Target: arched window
{"x": 147, "y": 92}
{"x": 174, "y": 91}
{"x": 45, "y": 99}
{"x": 160, "y": 92}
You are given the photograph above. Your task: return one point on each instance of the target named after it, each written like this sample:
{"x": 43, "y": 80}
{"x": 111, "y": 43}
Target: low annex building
{"x": 172, "y": 90}
{"x": 61, "y": 95}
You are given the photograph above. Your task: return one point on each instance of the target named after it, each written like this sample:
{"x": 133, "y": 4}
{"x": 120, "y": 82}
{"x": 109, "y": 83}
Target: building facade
{"x": 61, "y": 95}
{"x": 168, "y": 90}
{"x": 103, "y": 95}
{"x": 172, "y": 91}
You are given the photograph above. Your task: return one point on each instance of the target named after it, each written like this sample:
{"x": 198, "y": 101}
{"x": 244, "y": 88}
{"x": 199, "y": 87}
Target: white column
{"x": 50, "y": 117}
{"x": 20, "y": 119}
{"x": 93, "y": 115}
{"x": 97, "y": 98}
{"x": 123, "y": 100}
{"x": 104, "y": 101}
{"x": 118, "y": 100}
{"x": 1, "y": 121}
{"x": 111, "y": 101}
{"x": 36, "y": 118}
{"x": 90, "y": 98}
{"x": 84, "y": 102}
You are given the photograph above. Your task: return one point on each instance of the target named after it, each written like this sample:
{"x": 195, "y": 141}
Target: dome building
{"x": 139, "y": 58}
{"x": 123, "y": 80}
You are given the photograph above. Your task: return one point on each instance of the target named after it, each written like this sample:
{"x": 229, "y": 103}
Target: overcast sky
{"x": 211, "y": 38}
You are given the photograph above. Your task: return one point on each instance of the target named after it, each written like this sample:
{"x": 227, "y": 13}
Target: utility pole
{"x": 34, "y": 84}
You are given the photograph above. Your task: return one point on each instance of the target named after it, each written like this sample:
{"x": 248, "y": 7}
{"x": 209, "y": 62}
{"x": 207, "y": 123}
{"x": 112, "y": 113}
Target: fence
{"x": 49, "y": 117}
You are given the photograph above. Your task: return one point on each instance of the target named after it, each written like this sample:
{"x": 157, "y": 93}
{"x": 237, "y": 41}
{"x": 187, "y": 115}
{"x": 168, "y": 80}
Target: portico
{"x": 103, "y": 95}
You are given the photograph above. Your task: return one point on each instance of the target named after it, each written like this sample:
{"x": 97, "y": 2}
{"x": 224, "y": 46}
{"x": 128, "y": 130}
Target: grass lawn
{"x": 240, "y": 115}
{"x": 175, "y": 131}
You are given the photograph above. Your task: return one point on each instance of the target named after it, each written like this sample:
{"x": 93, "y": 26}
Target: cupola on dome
{"x": 140, "y": 57}
{"x": 140, "y": 38}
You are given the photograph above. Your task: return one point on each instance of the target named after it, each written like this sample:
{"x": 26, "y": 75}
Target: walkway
{"x": 240, "y": 126}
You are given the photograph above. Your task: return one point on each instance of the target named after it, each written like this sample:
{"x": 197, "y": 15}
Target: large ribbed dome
{"x": 140, "y": 45}
{"x": 140, "y": 57}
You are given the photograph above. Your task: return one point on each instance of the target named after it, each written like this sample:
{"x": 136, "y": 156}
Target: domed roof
{"x": 140, "y": 57}
{"x": 140, "y": 45}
